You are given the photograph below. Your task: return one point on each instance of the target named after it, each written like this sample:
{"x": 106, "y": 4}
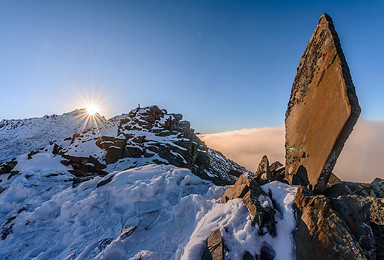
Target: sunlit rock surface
{"x": 322, "y": 109}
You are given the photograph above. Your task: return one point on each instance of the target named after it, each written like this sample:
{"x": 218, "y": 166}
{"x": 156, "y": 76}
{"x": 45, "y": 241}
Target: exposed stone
{"x": 267, "y": 252}
{"x": 321, "y": 233}
{"x": 263, "y": 173}
{"x": 322, "y": 109}
{"x": 239, "y": 189}
{"x": 214, "y": 249}
{"x": 257, "y": 201}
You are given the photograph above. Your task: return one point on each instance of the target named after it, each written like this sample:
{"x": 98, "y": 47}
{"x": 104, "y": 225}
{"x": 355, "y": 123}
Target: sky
{"x": 224, "y": 65}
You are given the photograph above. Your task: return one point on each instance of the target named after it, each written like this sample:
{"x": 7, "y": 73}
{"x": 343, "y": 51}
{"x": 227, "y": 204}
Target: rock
{"x": 103, "y": 182}
{"x": 266, "y": 173}
{"x": 263, "y": 173}
{"x": 333, "y": 179}
{"x": 55, "y": 149}
{"x": 322, "y": 109}
{"x": 257, "y": 201}
{"x": 214, "y": 249}
{"x": 248, "y": 256}
{"x": 13, "y": 173}
{"x": 7, "y": 167}
{"x": 355, "y": 211}
{"x": 239, "y": 189}
{"x": 84, "y": 164}
{"x": 267, "y": 252}
{"x": 320, "y": 232}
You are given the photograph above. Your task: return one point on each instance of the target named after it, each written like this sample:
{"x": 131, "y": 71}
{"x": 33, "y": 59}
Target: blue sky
{"x": 225, "y": 65}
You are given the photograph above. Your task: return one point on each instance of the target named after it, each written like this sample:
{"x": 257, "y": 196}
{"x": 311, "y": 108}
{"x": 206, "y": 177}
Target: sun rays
{"x": 90, "y": 116}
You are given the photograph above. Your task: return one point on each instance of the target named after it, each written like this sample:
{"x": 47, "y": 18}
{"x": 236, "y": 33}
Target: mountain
{"x": 137, "y": 186}
{"x": 94, "y": 144}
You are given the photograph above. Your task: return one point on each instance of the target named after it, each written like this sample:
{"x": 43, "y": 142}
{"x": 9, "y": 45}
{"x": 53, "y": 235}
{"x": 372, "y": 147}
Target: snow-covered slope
{"x": 19, "y": 136}
{"x": 148, "y": 212}
{"x": 138, "y": 186}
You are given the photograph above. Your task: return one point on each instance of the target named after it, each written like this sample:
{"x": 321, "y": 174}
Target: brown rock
{"x": 239, "y": 189}
{"x": 214, "y": 247}
{"x": 263, "y": 173}
{"x": 322, "y": 109}
{"x": 321, "y": 233}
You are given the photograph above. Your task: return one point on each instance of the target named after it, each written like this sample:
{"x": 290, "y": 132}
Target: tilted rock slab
{"x": 322, "y": 110}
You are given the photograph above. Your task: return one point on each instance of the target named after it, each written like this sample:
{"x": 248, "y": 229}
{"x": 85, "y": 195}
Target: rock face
{"x": 346, "y": 222}
{"x": 259, "y": 203}
{"x": 214, "y": 249}
{"x": 322, "y": 109}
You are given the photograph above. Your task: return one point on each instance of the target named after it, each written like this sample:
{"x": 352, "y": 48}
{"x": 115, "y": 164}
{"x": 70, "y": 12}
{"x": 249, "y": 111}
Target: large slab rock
{"x": 322, "y": 110}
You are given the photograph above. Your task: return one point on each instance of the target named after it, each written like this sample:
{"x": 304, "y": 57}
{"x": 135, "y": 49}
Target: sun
{"x": 92, "y": 109}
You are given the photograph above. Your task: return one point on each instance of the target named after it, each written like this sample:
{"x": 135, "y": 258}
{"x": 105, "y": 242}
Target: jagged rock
{"x": 322, "y": 109}
{"x": 263, "y": 173}
{"x": 214, "y": 249}
{"x": 321, "y": 233}
{"x": 267, "y": 252}
{"x": 55, "y": 149}
{"x": 84, "y": 164}
{"x": 248, "y": 256}
{"x": 266, "y": 173}
{"x": 239, "y": 189}
{"x": 333, "y": 179}
{"x": 7, "y": 167}
{"x": 257, "y": 201}
{"x": 354, "y": 210}
{"x": 181, "y": 147}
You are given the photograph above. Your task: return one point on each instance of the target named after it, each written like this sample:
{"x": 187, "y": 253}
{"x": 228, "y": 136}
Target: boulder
{"x": 239, "y": 189}
{"x": 320, "y": 232}
{"x": 214, "y": 249}
{"x": 257, "y": 201}
{"x": 322, "y": 110}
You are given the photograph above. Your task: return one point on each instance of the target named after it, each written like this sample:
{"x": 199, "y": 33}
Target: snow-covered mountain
{"x": 142, "y": 185}
{"x": 137, "y": 186}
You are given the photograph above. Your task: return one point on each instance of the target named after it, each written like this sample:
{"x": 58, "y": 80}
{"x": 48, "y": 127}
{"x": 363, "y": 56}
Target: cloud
{"x": 361, "y": 159}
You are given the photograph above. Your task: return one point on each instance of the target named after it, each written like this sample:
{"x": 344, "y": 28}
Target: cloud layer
{"x": 361, "y": 159}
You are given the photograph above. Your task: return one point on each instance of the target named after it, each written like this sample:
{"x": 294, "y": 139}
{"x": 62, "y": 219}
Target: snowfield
{"x": 148, "y": 212}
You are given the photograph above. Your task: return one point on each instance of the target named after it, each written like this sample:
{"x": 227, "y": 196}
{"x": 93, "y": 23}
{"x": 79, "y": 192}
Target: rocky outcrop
{"x": 266, "y": 173}
{"x": 214, "y": 247}
{"x": 163, "y": 138}
{"x": 259, "y": 204}
{"x": 346, "y": 222}
{"x": 83, "y": 165}
{"x": 320, "y": 232}
{"x": 322, "y": 109}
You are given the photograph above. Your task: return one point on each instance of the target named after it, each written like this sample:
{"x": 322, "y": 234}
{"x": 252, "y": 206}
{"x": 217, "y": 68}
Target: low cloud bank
{"x": 361, "y": 159}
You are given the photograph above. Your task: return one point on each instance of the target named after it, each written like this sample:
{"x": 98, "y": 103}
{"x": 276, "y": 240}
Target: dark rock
{"x": 103, "y": 182}
{"x": 85, "y": 164}
{"x": 354, "y": 210}
{"x": 257, "y": 201}
{"x": 267, "y": 252}
{"x": 248, "y": 256}
{"x": 214, "y": 249}
{"x": 32, "y": 153}
{"x": 320, "y": 232}
{"x": 133, "y": 152}
{"x": 55, "y": 149}
{"x": 77, "y": 173}
{"x": 263, "y": 173}
{"x": 13, "y": 173}
{"x": 322, "y": 109}
{"x": 333, "y": 179}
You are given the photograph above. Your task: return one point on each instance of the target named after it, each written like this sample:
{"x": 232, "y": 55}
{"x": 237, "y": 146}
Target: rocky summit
{"x": 322, "y": 109}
